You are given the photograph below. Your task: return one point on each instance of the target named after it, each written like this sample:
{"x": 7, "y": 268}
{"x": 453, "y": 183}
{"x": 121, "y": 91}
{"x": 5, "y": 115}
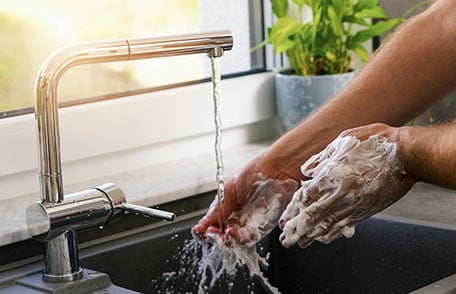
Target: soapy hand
{"x": 254, "y": 201}
{"x": 357, "y": 175}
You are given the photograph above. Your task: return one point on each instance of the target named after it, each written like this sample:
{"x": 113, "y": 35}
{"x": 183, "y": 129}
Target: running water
{"x": 215, "y": 65}
{"x": 214, "y": 268}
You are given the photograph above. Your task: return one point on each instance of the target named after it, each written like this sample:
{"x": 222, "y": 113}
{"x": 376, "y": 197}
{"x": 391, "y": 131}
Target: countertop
{"x": 179, "y": 179}
{"x": 147, "y": 186}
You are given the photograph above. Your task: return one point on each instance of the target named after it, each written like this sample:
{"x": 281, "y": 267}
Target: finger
{"x": 333, "y": 222}
{"x": 211, "y": 218}
{"x": 305, "y": 242}
{"x": 293, "y": 230}
{"x": 344, "y": 227}
{"x": 209, "y": 234}
{"x": 299, "y": 202}
{"x": 232, "y": 233}
{"x": 333, "y": 234}
{"x": 321, "y": 230}
{"x": 293, "y": 207}
{"x": 328, "y": 238}
{"x": 199, "y": 229}
{"x": 333, "y": 205}
{"x": 305, "y": 227}
{"x": 301, "y": 225}
{"x": 346, "y": 231}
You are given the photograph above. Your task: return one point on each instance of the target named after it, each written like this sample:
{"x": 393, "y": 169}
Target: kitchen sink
{"x": 385, "y": 256}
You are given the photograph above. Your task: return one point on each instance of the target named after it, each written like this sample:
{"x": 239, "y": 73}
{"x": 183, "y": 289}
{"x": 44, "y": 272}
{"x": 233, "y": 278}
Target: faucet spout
{"x": 61, "y": 261}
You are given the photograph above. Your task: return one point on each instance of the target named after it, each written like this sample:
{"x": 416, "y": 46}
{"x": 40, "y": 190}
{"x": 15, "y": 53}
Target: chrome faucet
{"x": 54, "y": 219}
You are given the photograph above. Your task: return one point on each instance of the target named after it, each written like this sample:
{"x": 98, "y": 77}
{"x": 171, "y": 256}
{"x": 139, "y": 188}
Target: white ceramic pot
{"x": 298, "y": 96}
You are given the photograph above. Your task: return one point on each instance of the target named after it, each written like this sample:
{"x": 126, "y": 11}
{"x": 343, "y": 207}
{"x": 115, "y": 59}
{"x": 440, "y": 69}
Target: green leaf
{"x": 316, "y": 20}
{"x": 365, "y": 4}
{"x": 348, "y": 7}
{"x": 260, "y": 45}
{"x": 280, "y": 8}
{"x": 331, "y": 56}
{"x": 306, "y": 34}
{"x": 361, "y": 52}
{"x": 376, "y": 12}
{"x": 336, "y": 21}
{"x": 360, "y": 21}
{"x": 375, "y": 30}
{"x": 283, "y": 34}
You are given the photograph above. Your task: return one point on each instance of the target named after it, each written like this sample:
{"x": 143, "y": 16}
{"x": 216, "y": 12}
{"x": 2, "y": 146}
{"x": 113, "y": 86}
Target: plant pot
{"x": 297, "y": 96}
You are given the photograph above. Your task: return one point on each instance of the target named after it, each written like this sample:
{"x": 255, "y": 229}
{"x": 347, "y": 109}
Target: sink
{"x": 386, "y": 255}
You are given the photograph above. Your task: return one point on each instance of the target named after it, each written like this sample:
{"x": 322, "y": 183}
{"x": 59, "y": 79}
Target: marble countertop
{"x": 179, "y": 179}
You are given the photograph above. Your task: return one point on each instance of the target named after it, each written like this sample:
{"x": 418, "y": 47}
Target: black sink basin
{"x": 384, "y": 256}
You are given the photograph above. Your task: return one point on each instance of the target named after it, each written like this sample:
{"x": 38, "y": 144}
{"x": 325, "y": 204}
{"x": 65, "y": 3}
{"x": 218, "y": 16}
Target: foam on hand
{"x": 349, "y": 181}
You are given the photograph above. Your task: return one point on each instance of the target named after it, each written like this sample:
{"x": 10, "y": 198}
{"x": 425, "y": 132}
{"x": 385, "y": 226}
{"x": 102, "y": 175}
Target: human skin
{"x": 413, "y": 70}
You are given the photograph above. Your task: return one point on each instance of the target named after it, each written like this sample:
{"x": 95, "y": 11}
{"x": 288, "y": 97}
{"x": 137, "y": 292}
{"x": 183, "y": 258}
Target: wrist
{"x": 407, "y": 150}
{"x": 293, "y": 149}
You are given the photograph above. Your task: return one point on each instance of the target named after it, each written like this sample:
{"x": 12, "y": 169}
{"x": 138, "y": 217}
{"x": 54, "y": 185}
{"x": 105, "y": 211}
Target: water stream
{"x": 216, "y": 78}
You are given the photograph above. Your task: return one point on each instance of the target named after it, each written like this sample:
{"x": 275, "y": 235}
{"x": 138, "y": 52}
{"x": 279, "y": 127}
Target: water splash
{"x": 216, "y": 268}
{"x": 219, "y": 260}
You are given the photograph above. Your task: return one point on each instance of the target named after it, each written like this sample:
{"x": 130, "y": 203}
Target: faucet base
{"x": 92, "y": 282}
{"x": 62, "y": 279}
{"x": 61, "y": 259}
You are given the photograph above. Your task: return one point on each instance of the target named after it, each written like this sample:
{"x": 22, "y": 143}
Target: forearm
{"x": 410, "y": 72}
{"x": 429, "y": 153}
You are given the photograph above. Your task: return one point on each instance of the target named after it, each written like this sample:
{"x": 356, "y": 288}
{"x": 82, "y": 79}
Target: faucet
{"x": 56, "y": 217}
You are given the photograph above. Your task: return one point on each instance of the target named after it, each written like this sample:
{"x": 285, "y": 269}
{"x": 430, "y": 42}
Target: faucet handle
{"x": 120, "y": 205}
{"x": 145, "y": 211}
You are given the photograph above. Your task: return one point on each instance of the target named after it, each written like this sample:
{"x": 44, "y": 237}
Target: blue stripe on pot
{"x": 298, "y": 96}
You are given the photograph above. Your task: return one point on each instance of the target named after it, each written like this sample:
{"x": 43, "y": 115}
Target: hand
{"x": 254, "y": 201}
{"x": 357, "y": 175}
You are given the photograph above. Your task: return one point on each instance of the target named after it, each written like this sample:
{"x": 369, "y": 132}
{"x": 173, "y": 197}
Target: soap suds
{"x": 349, "y": 181}
{"x": 260, "y": 215}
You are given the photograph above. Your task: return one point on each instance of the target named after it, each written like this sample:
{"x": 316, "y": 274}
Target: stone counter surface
{"x": 147, "y": 186}
{"x": 176, "y": 180}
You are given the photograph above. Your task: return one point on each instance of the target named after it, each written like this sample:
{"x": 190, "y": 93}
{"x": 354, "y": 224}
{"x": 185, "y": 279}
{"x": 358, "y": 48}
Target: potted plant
{"x": 320, "y": 39}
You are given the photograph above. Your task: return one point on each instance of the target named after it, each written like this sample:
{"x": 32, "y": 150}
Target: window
{"x": 31, "y": 30}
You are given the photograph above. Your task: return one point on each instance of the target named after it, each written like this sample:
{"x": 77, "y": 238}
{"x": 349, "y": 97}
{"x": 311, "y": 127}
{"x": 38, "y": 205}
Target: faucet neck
{"x": 46, "y": 108}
